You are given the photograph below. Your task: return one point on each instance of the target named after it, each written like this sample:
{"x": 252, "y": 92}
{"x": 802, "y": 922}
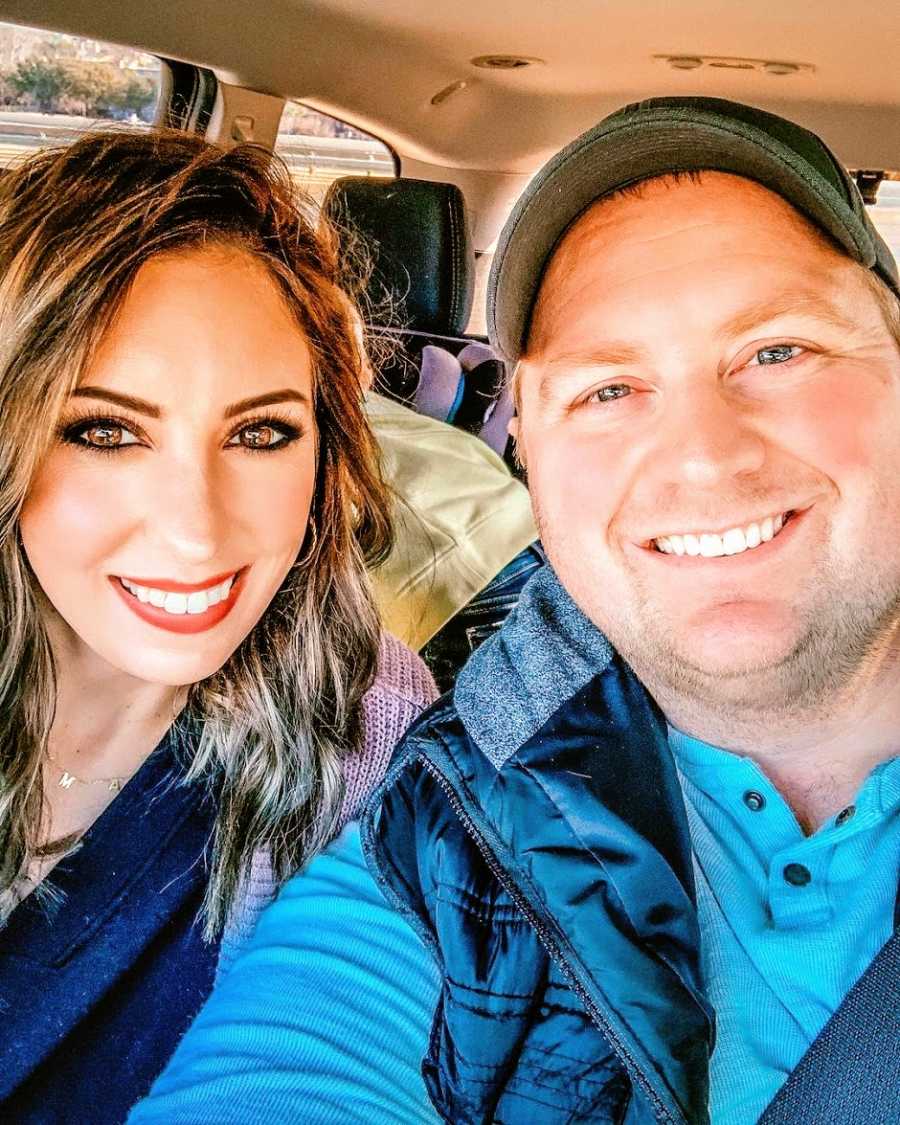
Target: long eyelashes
{"x": 121, "y": 433}
{"x": 286, "y": 432}
{"x": 75, "y": 433}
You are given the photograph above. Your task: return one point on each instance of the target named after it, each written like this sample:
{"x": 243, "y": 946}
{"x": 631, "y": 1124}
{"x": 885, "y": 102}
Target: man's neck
{"x": 817, "y": 761}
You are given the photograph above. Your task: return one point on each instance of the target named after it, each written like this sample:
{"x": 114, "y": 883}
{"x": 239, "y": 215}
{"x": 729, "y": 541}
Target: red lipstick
{"x": 183, "y": 623}
{"x": 179, "y": 587}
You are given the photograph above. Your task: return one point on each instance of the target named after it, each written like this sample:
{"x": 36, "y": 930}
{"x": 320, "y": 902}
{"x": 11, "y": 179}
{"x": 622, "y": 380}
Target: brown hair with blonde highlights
{"x": 270, "y": 729}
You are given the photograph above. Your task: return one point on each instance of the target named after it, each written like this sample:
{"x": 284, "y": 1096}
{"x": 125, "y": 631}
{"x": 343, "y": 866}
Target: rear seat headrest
{"x": 417, "y": 235}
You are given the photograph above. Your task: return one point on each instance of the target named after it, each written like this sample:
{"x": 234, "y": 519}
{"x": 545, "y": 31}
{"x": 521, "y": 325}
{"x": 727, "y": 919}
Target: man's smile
{"x": 733, "y": 541}
{"x": 748, "y": 544}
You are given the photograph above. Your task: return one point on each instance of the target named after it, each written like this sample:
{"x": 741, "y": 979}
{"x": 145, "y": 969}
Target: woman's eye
{"x": 262, "y": 436}
{"x": 105, "y": 435}
{"x": 776, "y": 353}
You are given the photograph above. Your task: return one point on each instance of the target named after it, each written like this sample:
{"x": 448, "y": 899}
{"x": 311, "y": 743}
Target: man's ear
{"x": 513, "y": 427}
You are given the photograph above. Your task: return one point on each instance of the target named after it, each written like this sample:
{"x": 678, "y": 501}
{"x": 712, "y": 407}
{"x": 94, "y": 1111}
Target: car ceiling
{"x": 381, "y": 63}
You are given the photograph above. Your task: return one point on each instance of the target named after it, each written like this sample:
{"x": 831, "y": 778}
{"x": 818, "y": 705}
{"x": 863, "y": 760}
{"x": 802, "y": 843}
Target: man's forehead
{"x": 722, "y": 194}
{"x": 603, "y": 245}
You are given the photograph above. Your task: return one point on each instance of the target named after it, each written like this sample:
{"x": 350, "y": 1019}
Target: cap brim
{"x": 638, "y": 147}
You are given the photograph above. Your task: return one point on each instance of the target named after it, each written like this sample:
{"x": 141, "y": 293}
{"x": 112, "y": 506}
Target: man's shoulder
{"x": 429, "y": 767}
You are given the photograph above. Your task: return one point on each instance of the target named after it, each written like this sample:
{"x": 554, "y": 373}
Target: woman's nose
{"x": 190, "y": 512}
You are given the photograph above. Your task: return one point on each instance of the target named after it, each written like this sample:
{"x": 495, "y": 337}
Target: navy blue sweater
{"x": 97, "y": 990}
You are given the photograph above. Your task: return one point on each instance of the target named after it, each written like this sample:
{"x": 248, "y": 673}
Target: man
{"x": 665, "y": 798}
{"x": 652, "y": 838}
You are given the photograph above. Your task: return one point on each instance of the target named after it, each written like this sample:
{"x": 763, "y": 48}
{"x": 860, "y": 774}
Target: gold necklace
{"x": 67, "y": 779}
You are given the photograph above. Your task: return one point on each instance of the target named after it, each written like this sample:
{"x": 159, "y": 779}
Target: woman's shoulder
{"x": 402, "y": 675}
{"x": 402, "y": 689}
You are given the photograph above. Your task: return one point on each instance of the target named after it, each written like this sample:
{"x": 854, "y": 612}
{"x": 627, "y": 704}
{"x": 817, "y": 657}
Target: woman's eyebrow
{"x": 139, "y": 405}
{"x": 269, "y": 399}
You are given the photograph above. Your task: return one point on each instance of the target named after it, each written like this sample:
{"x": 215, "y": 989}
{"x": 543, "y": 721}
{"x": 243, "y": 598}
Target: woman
{"x": 189, "y": 497}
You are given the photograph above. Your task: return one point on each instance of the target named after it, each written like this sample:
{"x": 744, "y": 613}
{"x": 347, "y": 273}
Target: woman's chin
{"x": 163, "y": 665}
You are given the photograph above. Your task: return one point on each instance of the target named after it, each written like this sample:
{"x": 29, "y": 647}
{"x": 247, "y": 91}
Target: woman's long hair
{"x": 269, "y": 729}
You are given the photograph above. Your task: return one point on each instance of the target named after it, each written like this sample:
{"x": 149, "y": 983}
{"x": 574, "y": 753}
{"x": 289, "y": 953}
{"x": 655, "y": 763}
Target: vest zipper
{"x": 550, "y": 945}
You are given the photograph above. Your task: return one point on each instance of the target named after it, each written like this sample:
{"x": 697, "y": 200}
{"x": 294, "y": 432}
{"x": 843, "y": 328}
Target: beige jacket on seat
{"x": 460, "y": 517}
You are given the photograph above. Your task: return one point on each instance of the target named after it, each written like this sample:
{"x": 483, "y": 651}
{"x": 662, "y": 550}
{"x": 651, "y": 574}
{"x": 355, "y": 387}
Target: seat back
{"x": 416, "y": 236}
{"x": 411, "y": 239}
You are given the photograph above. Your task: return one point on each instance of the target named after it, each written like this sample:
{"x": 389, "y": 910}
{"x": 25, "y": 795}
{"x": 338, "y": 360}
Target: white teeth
{"x": 732, "y": 542}
{"x": 179, "y": 604}
{"x": 711, "y": 546}
{"x": 175, "y": 603}
{"x": 197, "y": 602}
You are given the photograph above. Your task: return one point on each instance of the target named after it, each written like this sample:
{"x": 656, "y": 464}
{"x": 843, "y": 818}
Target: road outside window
{"x": 54, "y": 86}
{"x": 319, "y": 149}
{"x": 885, "y": 213}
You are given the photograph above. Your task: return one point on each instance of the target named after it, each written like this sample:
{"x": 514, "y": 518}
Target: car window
{"x": 319, "y": 149}
{"x": 885, "y": 212}
{"x": 54, "y": 86}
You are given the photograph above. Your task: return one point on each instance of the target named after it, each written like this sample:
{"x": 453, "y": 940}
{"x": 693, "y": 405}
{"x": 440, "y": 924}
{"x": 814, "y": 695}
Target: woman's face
{"x": 177, "y": 492}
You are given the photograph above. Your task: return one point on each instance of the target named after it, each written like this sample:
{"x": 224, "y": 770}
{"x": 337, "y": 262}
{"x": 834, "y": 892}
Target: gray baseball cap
{"x": 651, "y": 138}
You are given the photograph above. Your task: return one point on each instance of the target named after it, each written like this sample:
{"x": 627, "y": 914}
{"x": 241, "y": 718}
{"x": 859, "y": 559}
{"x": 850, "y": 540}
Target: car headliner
{"x": 379, "y": 64}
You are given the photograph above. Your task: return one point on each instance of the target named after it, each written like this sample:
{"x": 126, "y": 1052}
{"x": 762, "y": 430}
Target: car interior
{"x": 442, "y": 113}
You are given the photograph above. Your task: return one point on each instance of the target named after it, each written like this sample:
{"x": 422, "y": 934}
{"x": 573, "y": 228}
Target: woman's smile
{"x": 177, "y": 606}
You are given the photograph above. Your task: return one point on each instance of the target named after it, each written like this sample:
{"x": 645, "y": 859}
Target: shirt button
{"x": 844, "y": 815}
{"x": 797, "y": 875}
{"x": 754, "y": 801}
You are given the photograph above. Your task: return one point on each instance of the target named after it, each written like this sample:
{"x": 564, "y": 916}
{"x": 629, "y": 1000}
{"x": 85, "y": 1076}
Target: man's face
{"x": 702, "y": 366}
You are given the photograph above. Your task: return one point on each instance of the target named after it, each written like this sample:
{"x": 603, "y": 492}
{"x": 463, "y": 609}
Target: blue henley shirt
{"x": 789, "y": 922}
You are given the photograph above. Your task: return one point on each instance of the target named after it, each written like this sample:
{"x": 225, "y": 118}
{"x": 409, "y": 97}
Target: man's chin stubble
{"x": 832, "y": 653}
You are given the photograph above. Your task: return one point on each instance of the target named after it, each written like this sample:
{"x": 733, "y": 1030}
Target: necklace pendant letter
{"x": 114, "y": 785}
{"x": 67, "y": 780}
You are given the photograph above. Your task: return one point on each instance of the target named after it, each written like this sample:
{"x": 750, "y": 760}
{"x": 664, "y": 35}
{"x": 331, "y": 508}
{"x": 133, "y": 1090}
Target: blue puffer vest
{"x": 533, "y": 831}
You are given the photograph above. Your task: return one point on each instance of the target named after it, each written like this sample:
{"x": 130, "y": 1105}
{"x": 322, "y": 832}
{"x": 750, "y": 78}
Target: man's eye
{"x": 263, "y": 436}
{"x": 777, "y": 353}
{"x": 609, "y": 393}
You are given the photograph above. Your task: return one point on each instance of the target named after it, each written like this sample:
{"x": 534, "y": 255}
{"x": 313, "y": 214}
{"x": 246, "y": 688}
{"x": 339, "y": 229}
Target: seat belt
{"x": 851, "y": 1073}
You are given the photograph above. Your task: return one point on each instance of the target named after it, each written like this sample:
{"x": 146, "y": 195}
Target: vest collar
{"x": 546, "y": 652}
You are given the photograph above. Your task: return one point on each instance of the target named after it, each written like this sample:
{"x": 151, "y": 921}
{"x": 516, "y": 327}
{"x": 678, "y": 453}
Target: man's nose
{"x": 189, "y": 511}
{"x": 709, "y": 439}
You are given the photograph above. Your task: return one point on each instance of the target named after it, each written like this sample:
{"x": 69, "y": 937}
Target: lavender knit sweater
{"x": 403, "y": 688}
